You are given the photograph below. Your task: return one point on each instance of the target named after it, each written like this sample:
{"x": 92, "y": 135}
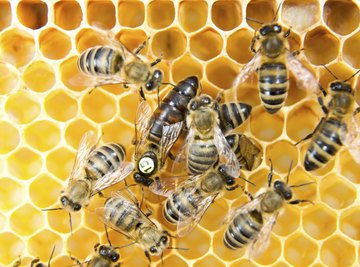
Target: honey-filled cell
{"x": 24, "y": 163}
{"x": 61, "y": 106}
{"x": 42, "y": 135}
{"x": 221, "y": 72}
{"x": 13, "y": 192}
{"x": 44, "y": 198}
{"x": 81, "y": 242}
{"x": 337, "y": 251}
{"x": 238, "y": 46}
{"x": 184, "y": 67}
{"x": 294, "y": 246}
{"x": 167, "y": 11}
{"x": 226, "y": 15}
{"x": 12, "y": 246}
{"x": 26, "y": 220}
{"x": 350, "y": 222}
{"x": 5, "y": 15}
{"x": 54, "y": 44}
{"x": 206, "y": 44}
{"x": 209, "y": 260}
{"x": 282, "y": 154}
{"x": 259, "y": 11}
{"x": 133, "y": 38}
{"x": 75, "y": 131}
{"x": 39, "y": 76}
{"x": 42, "y": 244}
{"x": 63, "y": 155}
{"x": 68, "y": 14}
{"x": 351, "y": 50}
{"x": 131, "y": 13}
{"x": 9, "y": 137}
{"x": 101, "y": 14}
{"x": 265, "y": 126}
{"x": 9, "y": 78}
{"x": 32, "y": 14}
{"x": 192, "y": 15}
{"x": 169, "y": 44}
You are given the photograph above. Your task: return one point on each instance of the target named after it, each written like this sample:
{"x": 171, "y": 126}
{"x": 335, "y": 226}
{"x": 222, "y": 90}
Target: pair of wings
{"x": 88, "y": 143}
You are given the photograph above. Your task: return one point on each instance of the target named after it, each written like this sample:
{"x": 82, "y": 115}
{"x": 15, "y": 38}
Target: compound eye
{"x": 102, "y": 251}
{"x": 288, "y": 195}
{"x": 149, "y": 86}
{"x": 193, "y": 105}
{"x": 206, "y": 100}
{"x": 153, "y": 250}
{"x": 77, "y": 207}
{"x": 277, "y": 28}
{"x": 278, "y": 184}
{"x": 64, "y": 201}
{"x": 114, "y": 256}
{"x": 164, "y": 240}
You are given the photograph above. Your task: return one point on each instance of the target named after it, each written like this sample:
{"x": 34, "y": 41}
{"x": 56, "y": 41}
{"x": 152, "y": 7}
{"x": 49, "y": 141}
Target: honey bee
{"x": 251, "y": 224}
{"x": 339, "y": 127}
{"x": 36, "y": 262}
{"x": 232, "y": 115}
{"x": 113, "y": 63}
{"x": 159, "y": 130}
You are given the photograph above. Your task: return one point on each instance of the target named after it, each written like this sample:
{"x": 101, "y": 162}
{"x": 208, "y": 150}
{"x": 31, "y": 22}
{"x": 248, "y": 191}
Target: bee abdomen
{"x": 233, "y": 115}
{"x": 202, "y": 154}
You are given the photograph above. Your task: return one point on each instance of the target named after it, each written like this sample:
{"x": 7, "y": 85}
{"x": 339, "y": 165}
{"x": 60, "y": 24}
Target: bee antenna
{"x": 70, "y": 223}
{"x": 248, "y": 181}
{"x": 351, "y": 76}
{"x": 329, "y": 71}
{"x": 177, "y": 248}
{"x": 173, "y": 85}
{"x": 255, "y": 20}
{"x": 277, "y": 12}
{"x": 51, "y": 209}
{"x": 51, "y": 255}
{"x": 201, "y": 89}
{"x": 299, "y": 185}
{"x": 162, "y": 258}
{"x": 124, "y": 246}
{"x": 287, "y": 178}
{"x": 107, "y": 235}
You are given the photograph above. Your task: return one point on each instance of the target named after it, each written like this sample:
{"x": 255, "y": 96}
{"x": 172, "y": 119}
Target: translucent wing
{"x": 81, "y": 79}
{"x": 170, "y": 134}
{"x": 247, "y": 70}
{"x": 304, "y": 78}
{"x": 87, "y": 144}
{"x": 248, "y": 206}
{"x": 350, "y": 137}
{"x": 113, "y": 178}
{"x": 143, "y": 115}
{"x": 165, "y": 186}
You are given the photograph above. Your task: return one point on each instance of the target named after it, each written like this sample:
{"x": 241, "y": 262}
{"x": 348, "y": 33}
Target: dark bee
{"x": 232, "y": 115}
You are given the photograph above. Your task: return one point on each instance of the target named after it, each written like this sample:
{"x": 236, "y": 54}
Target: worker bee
{"x": 159, "y": 130}
{"x": 113, "y": 63}
{"x": 232, "y": 115}
{"x": 251, "y": 224}
{"x": 339, "y": 127}
{"x": 36, "y": 262}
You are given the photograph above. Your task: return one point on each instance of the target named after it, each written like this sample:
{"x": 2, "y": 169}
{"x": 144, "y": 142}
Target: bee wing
{"x": 350, "y": 137}
{"x": 304, "y": 78}
{"x": 165, "y": 186}
{"x": 143, "y": 115}
{"x": 113, "y": 178}
{"x": 249, "y": 68}
{"x": 80, "y": 79}
{"x": 170, "y": 134}
{"x": 248, "y": 206}
{"x": 87, "y": 144}
{"x": 226, "y": 153}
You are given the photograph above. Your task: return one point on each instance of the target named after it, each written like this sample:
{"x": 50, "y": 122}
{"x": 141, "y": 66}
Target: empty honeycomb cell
{"x": 349, "y": 168}
{"x": 12, "y": 247}
{"x": 81, "y": 242}
{"x": 265, "y": 126}
{"x": 184, "y": 67}
{"x": 300, "y": 250}
{"x": 174, "y": 260}
{"x": 42, "y": 135}
{"x": 68, "y": 14}
{"x": 43, "y": 243}
{"x": 238, "y": 46}
{"x": 245, "y": 93}
{"x": 320, "y": 46}
{"x": 271, "y": 253}
{"x": 62, "y": 260}
{"x": 296, "y": 94}
{"x": 9, "y": 137}
{"x": 215, "y": 214}
{"x": 350, "y": 223}
{"x": 5, "y": 15}
{"x": 60, "y": 162}
{"x": 24, "y": 163}
{"x": 262, "y": 11}
{"x": 132, "y": 39}
{"x": 198, "y": 242}
{"x": 169, "y": 44}
{"x": 70, "y": 74}
{"x": 91, "y": 220}
{"x": 59, "y": 221}
{"x": 282, "y": 153}
{"x": 221, "y": 72}
{"x": 319, "y": 222}
{"x": 226, "y": 15}
{"x": 13, "y": 192}
{"x": 341, "y": 70}
{"x": 60, "y": 106}
{"x": 127, "y": 106}
{"x": 333, "y": 15}
{"x": 17, "y": 47}
{"x": 300, "y": 14}
{"x": 131, "y": 13}
{"x": 9, "y": 77}
{"x": 206, "y": 44}
{"x": 75, "y": 132}
{"x": 302, "y": 120}
{"x": 98, "y": 106}
{"x": 351, "y": 50}
{"x": 22, "y": 108}
{"x": 32, "y": 14}
{"x": 243, "y": 263}
{"x": 288, "y": 221}
{"x": 44, "y": 198}
{"x": 192, "y": 15}
{"x": 54, "y": 44}
{"x": 337, "y": 251}
{"x": 260, "y": 178}
{"x": 101, "y": 14}
{"x": 336, "y": 192}
{"x": 26, "y": 220}
{"x": 118, "y": 131}
{"x": 208, "y": 260}
{"x": 307, "y": 192}
{"x": 39, "y": 76}
{"x": 167, "y": 11}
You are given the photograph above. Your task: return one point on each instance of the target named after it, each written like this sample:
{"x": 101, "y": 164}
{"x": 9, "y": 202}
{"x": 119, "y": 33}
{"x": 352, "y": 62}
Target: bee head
{"x": 341, "y": 87}
{"x": 68, "y": 205}
{"x": 154, "y": 81}
{"x": 283, "y": 189}
{"x": 229, "y": 180}
{"x": 270, "y": 28}
{"x": 108, "y": 252}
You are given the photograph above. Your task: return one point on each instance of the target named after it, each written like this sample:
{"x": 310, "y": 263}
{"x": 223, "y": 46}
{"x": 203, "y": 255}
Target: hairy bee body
{"x": 202, "y": 154}
{"x": 233, "y": 115}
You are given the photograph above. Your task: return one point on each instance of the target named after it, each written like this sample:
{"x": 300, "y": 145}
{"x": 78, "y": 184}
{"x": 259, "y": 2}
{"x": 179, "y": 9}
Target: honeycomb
{"x": 43, "y": 117}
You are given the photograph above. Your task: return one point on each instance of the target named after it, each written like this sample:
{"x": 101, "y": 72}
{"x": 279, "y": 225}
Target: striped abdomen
{"x": 243, "y": 229}
{"x": 233, "y": 115}
{"x": 104, "y": 159}
{"x": 100, "y": 61}
{"x": 201, "y": 156}
{"x": 324, "y": 144}
{"x": 273, "y": 83}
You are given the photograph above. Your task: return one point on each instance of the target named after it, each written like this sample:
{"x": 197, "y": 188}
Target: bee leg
{"x": 172, "y": 156}
{"x": 297, "y": 52}
{"x": 295, "y": 202}
{"x": 323, "y": 107}
{"x": 158, "y": 60}
{"x": 142, "y": 95}
{"x": 17, "y": 263}
{"x": 311, "y": 134}
{"x": 148, "y": 257}
{"x": 34, "y": 261}
{"x": 76, "y": 260}
{"x": 253, "y": 42}
{"x": 270, "y": 176}
{"x": 248, "y": 194}
{"x": 232, "y": 188}
{"x": 287, "y": 33}
{"x": 141, "y": 47}
{"x": 356, "y": 111}
{"x": 96, "y": 247}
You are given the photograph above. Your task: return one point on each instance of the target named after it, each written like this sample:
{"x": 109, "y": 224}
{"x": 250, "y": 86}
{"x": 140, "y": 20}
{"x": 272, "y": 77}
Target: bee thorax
{"x": 271, "y": 202}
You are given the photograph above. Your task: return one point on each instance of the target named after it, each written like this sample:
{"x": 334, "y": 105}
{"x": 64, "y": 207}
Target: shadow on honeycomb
{"x": 43, "y": 117}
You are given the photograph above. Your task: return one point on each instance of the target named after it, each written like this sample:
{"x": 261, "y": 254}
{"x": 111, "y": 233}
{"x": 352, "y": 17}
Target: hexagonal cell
{"x": 349, "y": 168}
{"x": 17, "y": 47}
{"x": 319, "y": 222}
{"x": 81, "y": 242}
{"x": 98, "y": 106}
{"x": 90, "y": 219}
{"x": 12, "y": 247}
{"x": 87, "y": 38}
{"x": 22, "y": 108}
{"x": 299, "y": 177}
{"x": 198, "y": 243}
{"x": 341, "y": 70}
{"x": 215, "y": 214}
{"x": 42, "y": 135}
{"x": 296, "y": 93}
{"x": 244, "y": 263}
{"x": 294, "y": 250}
{"x": 54, "y": 44}
{"x": 60, "y": 106}
{"x": 174, "y": 260}
{"x": 132, "y": 39}
{"x": 185, "y": 67}
{"x": 169, "y": 44}
{"x": 238, "y": 46}
{"x": 76, "y": 130}
{"x": 44, "y": 198}
{"x": 39, "y": 76}
{"x": 101, "y": 14}
{"x": 337, "y": 251}
{"x": 9, "y": 137}
{"x": 68, "y": 14}
{"x": 208, "y": 261}
{"x": 131, "y": 13}
{"x": 226, "y": 15}
{"x": 69, "y": 72}
{"x": 266, "y": 126}
{"x": 271, "y": 253}
{"x": 206, "y": 44}
{"x": 60, "y": 162}
{"x": 300, "y": 14}
{"x": 288, "y": 221}
{"x": 245, "y": 93}
{"x": 32, "y": 14}
{"x": 5, "y": 15}
{"x": 42, "y": 244}
{"x": 221, "y": 72}
{"x": 127, "y": 106}
{"x": 62, "y": 260}
{"x": 9, "y": 77}
{"x": 24, "y": 163}
{"x": 320, "y": 46}
{"x": 26, "y": 220}
{"x": 13, "y": 192}
{"x": 192, "y": 15}
{"x": 333, "y": 15}
{"x": 167, "y": 11}
{"x": 350, "y": 50}
{"x": 58, "y": 221}
{"x": 350, "y": 223}
{"x": 282, "y": 154}
{"x": 263, "y": 11}
{"x": 111, "y": 134}
{"x": 336, "y": 192}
